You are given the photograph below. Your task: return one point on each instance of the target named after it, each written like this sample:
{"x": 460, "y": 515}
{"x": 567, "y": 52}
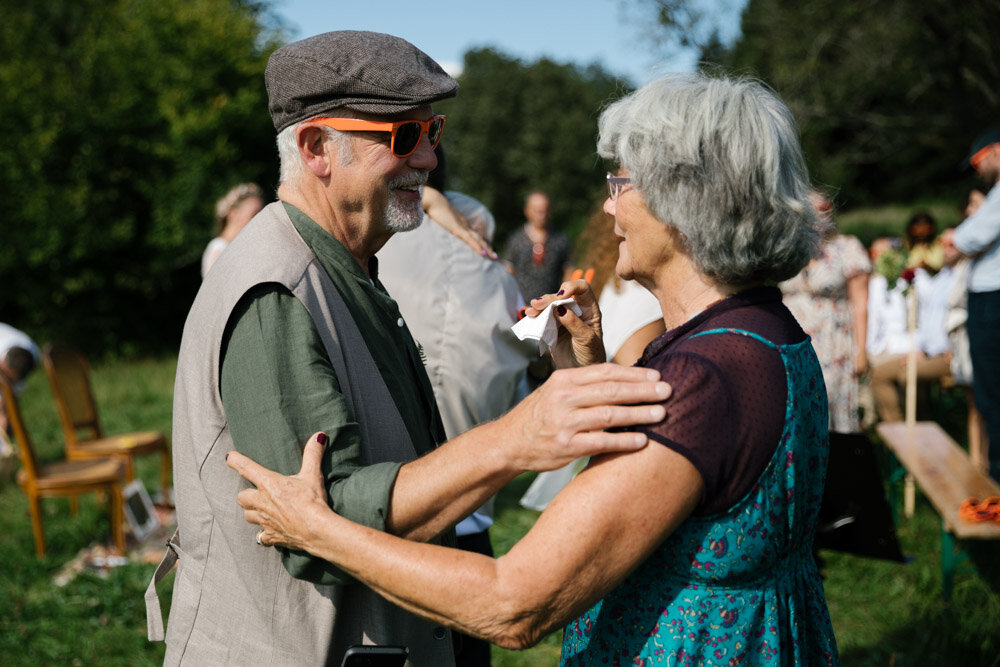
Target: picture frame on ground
{"x": 139, "y": 510}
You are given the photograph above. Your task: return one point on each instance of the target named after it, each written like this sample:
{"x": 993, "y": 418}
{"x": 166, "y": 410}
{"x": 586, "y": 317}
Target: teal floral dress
{"x": 739, "y": 587}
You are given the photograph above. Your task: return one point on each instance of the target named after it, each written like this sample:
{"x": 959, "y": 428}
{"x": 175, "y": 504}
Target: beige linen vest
{"x": 233, "y": 601}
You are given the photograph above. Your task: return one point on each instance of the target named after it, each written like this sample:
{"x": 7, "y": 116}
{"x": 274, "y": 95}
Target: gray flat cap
{"x": 369, "y": 72}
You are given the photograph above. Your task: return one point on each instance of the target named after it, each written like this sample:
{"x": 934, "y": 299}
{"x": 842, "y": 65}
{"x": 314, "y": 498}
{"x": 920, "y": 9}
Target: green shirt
{"x": 278, "y": 388}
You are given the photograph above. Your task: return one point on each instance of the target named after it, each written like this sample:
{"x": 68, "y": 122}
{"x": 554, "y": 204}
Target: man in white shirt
{"x": 979, "y": 238}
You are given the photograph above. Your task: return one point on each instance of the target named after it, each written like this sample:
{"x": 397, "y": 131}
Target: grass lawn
{"x": 883, "y": 613}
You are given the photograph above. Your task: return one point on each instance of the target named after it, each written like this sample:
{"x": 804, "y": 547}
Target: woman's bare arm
{"x": 633, "y": 347}
{"x": 857, "y": 294}
{"x": 599, "y": 528}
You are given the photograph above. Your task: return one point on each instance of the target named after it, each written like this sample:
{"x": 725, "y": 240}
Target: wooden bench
{"x": 947, "y": 477}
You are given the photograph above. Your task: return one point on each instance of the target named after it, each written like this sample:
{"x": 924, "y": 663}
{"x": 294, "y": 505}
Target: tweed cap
{"x": 369, "y": 72}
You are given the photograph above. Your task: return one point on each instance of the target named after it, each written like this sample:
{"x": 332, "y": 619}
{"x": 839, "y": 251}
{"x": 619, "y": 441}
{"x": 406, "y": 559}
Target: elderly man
{"x": 292, "y": 333}
{"x": 979, "y": 237}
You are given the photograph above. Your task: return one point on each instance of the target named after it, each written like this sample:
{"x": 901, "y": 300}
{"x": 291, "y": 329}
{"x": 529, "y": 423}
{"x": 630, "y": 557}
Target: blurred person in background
{"x": 232, "y": 213}
{"x": 696, "y": 549}
{"x": 958, "y": 312}
{"x": 538, "y": 254}
{"x": 934, "y": 351}
{"x": 829, "y": 298}
{"x": 19, "y": 355}
{"x": 923, "y": 249}
{"x": 979, "y": 238}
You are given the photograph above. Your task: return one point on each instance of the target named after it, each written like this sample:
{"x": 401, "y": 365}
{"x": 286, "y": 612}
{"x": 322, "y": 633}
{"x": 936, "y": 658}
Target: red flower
{"x": 908, "y": 275}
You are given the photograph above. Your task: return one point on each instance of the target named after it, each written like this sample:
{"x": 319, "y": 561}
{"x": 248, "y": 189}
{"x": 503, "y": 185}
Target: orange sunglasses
{"x": 980, "y": 155}
{"x": 406, "y": 134}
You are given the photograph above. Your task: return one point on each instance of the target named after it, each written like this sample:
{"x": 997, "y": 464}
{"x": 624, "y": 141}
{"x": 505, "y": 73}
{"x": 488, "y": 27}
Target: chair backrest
{"x": 69, "y": 375}
{"x": 25, "y": 449}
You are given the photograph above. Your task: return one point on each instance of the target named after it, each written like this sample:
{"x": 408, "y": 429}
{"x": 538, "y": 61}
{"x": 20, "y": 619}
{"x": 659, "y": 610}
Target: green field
{"x": 884, "y": 613}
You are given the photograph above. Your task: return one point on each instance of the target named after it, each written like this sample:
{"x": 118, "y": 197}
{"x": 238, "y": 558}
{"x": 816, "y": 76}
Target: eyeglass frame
{"x": 361, "y": 125}
{"x": 617, "y": 184}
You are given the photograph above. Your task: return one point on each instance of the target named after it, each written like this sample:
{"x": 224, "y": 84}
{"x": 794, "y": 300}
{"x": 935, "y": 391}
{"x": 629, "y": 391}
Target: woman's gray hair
{"x": 291, "y": 166}
{"x": 719, "y": 160}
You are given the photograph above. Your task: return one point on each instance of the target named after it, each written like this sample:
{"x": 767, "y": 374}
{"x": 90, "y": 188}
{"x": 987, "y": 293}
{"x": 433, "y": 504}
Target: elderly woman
{"x": 696, "y": 549}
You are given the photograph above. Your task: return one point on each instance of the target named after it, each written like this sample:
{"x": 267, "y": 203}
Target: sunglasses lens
{"x": 407, "y": 138}
{"x": 435, "y": 131}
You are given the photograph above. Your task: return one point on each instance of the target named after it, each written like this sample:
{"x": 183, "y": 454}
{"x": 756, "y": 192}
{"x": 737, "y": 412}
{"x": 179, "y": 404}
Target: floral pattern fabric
{"x": 741, "y": 586}
{"x": 818, "y": 299}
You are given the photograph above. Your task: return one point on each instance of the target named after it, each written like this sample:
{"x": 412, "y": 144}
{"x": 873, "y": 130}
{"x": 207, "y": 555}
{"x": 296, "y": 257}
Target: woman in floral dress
{"x": 829, "y": 298}
{"x": 697, "y": 548}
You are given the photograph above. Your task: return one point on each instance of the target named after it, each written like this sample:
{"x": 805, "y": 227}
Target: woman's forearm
{"x": 585, "y": 543}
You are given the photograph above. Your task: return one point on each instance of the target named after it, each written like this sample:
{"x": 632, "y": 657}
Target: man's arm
{"x": 982, "y": 229}
{"x": 278, "y": 387}
{"x": 561, "y": 421}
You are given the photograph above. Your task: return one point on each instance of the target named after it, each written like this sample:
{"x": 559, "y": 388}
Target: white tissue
{"x": 544, "y": 328}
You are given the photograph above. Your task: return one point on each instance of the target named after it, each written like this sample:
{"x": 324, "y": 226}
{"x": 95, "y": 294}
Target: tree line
{"x": 126, "y": 119}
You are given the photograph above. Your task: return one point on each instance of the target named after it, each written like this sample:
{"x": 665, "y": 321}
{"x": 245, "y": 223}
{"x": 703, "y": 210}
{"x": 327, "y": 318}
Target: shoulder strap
{"x": 154, "y": 614}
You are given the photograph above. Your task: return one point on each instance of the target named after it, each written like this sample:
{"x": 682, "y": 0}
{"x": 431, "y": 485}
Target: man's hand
{"x": 566, "y": 417}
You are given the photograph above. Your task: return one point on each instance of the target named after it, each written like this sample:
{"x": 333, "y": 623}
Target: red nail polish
{"x": 560, "y": 292}
{"x": 227, "y": 455}
{"x": 560, "y": 310}
{"x": 321, "y": 438}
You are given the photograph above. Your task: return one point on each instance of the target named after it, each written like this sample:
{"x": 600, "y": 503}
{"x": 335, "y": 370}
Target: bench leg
{"x": 894, "y": 473}
{"x": 909, "y": 496}
{"x": 952, "y": 556}
{"x": 949, "y": 561}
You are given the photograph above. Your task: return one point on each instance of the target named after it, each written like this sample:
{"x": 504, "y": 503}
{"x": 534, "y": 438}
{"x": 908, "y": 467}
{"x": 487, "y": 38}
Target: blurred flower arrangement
{"x": 891, "y": 263}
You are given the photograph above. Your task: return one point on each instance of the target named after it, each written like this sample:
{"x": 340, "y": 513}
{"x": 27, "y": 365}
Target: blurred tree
{"x": 888, "y": 94}
{"x": 124, "y": 120}
{"x": 517, "y": 127}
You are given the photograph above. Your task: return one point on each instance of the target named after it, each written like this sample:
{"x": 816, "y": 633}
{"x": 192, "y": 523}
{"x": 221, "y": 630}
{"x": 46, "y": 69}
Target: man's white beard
{"x": 403, "y": 215}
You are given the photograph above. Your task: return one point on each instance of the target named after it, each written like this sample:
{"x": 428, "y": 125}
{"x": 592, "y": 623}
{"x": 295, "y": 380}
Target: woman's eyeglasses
{"x": 406, "y": 134}
{"x": 617, "y": 185}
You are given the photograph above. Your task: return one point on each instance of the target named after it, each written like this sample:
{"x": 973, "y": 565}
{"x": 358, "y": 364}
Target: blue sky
{"x": 582, "y": 32}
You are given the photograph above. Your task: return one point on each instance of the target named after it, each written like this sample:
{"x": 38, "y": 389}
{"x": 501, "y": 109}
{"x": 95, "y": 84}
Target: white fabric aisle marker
{"x": 544, "y": 328}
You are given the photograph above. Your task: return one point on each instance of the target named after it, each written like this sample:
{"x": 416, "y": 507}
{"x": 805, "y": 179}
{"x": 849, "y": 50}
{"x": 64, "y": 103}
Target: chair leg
{"x": 35, "y": 510}
{"x": 117, "y": 517}
{"x": 129, "y": 468}
{"x": 74, "y": 505}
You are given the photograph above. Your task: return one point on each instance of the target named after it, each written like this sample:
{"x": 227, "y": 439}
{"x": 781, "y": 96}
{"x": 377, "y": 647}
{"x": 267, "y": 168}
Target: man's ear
{"x": 316, "y": 153}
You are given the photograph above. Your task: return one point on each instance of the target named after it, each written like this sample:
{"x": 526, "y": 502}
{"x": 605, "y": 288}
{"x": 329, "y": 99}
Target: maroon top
{"x": 727, "y": 410}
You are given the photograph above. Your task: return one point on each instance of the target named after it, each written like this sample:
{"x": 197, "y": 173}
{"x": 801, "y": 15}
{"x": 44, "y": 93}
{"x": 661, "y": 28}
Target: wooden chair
{"x": 69, "y": 375}
{"x": 62, "y": 478}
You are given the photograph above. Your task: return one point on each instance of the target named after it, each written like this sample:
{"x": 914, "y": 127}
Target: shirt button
{"x": 400, "y": 323}
{"x": 439, "y": 632}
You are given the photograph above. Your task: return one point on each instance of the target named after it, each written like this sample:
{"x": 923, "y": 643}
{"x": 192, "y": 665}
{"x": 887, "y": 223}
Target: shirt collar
{"x": 330, "y": 252}
{"x": 751, "y": 296}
